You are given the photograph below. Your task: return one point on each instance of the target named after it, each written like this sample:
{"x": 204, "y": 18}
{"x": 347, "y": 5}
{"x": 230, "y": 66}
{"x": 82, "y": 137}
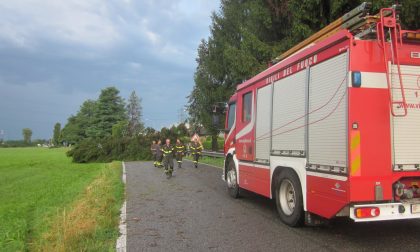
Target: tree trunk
{"x": 214, "y": 145}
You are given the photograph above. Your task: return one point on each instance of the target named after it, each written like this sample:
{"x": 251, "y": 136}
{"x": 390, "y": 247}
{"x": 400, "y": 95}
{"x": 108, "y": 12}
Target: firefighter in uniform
{"x": 159, "y": 154}
{"x": 196, "y": 149}
{"x": 179, "y": 152}
{"x": 168, "y": 152}
{"x": 153, "y": 149}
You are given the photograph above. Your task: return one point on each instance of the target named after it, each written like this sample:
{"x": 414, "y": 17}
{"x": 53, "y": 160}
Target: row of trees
{"x": 127, "y": 148}
{"x": 109, "y": 115}
{"x": 26, "y": 142}
{"x": 110, "y": 129}
{"x": 100, "y": 126}
{"x": 246, "y": 34}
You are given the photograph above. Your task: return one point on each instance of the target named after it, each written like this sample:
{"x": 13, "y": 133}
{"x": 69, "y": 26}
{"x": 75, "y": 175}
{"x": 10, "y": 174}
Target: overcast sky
{"x": 56, "y": 54}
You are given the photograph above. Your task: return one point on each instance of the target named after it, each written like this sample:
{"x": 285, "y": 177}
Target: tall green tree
{"x": 56, "y": 133}
{"x": 309, "y": 16}
{"x": 205, "y": 94}
{"x": 245, "y": 35}
{"x": 164, "y": 133}
{"x": 27, "y": 135}
{"x": 149, "y": 131}
{"x": 77, "y": 125}
{"x": 182, "y": 130}
{"x": 134, "y": 111}
{"x": 68, "y": 133}
{"x": 409, "y": 14}
{"x": 109, "y": 110}
{"x": 120, "y": 129}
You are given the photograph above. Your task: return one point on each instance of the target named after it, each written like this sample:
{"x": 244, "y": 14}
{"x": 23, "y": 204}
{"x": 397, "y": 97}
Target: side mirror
{"x": 219, "y": 107}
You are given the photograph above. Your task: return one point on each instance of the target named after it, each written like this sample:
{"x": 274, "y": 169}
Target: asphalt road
{"x": 192, "y": 211}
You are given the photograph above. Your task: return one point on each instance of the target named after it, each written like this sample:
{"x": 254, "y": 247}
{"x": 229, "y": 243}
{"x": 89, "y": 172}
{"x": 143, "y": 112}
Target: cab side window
{"x": 231, "y": 116}
{"x": 246, "y": 107}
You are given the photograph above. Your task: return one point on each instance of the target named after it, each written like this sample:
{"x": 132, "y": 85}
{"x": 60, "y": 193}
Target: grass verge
{"x": 38, "y": 186}
{"x": 92, "y": 220}
{"x": 215, "y": 161}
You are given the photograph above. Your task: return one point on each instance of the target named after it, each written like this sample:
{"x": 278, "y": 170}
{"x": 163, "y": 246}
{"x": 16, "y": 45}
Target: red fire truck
{"x": 333, "y": 128}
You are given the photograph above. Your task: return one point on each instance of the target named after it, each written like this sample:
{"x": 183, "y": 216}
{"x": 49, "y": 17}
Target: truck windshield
{"x": 231, "y": 115}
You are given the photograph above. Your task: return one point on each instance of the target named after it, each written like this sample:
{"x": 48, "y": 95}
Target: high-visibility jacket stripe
{"x": 180, "y": 148}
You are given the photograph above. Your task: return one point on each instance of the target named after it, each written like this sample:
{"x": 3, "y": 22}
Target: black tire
{"x": 232, "y": 180}
{"x": 289, "y": 200}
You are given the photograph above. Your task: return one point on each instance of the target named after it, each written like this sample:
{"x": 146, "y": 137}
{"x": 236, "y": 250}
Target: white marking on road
{"x": 124, "y": 175}
{"x": 121, "y": 245}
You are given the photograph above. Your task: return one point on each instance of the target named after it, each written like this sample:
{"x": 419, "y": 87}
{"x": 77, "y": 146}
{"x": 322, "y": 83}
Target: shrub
{"x": 207, "y": 143}
{"x": 111, "y": 148}
{"x": 86, "y": 151}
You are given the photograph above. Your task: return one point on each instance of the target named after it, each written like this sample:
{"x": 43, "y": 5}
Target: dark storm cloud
{"x": 56, "y": 54}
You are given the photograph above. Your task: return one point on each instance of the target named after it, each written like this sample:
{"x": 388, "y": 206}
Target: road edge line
{"x": 121, "y": 244}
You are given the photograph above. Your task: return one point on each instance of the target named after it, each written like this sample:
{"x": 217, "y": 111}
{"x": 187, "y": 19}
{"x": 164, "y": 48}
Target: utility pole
{"x": 181, "y": 115}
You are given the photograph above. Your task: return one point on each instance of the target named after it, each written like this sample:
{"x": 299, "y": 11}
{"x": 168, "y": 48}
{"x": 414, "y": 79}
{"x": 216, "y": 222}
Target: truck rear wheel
{"x": 232, "y": 180}
{"x": 289, "y": 200}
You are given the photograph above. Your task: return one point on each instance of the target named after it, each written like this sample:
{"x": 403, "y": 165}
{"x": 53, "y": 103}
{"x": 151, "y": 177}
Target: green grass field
{"x": 41, "y": 193}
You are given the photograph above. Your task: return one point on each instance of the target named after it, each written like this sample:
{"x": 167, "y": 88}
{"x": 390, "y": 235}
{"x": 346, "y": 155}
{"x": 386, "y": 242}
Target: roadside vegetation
{"x": 207, "y": 144}
{"x": 110, "y": 129}
{"x": 48, "y": 203}
{"x": 22, "y": 143}
{"x": 214, "y": 161}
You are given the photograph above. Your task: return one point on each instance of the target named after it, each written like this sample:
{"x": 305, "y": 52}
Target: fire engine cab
{"x": 333, "y": 128}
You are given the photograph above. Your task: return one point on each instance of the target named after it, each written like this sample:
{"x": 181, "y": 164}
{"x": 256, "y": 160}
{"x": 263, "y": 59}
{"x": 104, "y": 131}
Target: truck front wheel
{"x": 289, "y": 198}
{"x": 232, "y": 180}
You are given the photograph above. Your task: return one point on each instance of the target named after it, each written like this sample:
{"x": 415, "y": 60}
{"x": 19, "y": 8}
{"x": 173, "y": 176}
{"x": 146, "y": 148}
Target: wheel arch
{"x": 300, "y": 173}
{"x": 231, "y": 155}
{"x": 228, "y": 158}
{"x": 290, "y": 203}
{"x": 276, "y": 173}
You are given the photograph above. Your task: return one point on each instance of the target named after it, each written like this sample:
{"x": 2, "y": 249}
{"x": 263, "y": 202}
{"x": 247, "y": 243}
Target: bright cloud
{"x": 27, "y": 23}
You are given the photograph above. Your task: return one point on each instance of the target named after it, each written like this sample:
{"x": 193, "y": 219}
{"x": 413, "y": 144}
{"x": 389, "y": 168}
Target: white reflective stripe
{"x": 262, "y": 166}
{"x": 372, "y": 80}
{"x": 338, "y": 190}
{"x": 250, "y": 125}
{"x": 231, "y": 129}
{"x": 255, "y": 165}
{"x": 327, "y": 176}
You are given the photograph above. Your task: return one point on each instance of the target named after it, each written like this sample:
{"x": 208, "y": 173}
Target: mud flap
{"x": 313, "y": 220}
